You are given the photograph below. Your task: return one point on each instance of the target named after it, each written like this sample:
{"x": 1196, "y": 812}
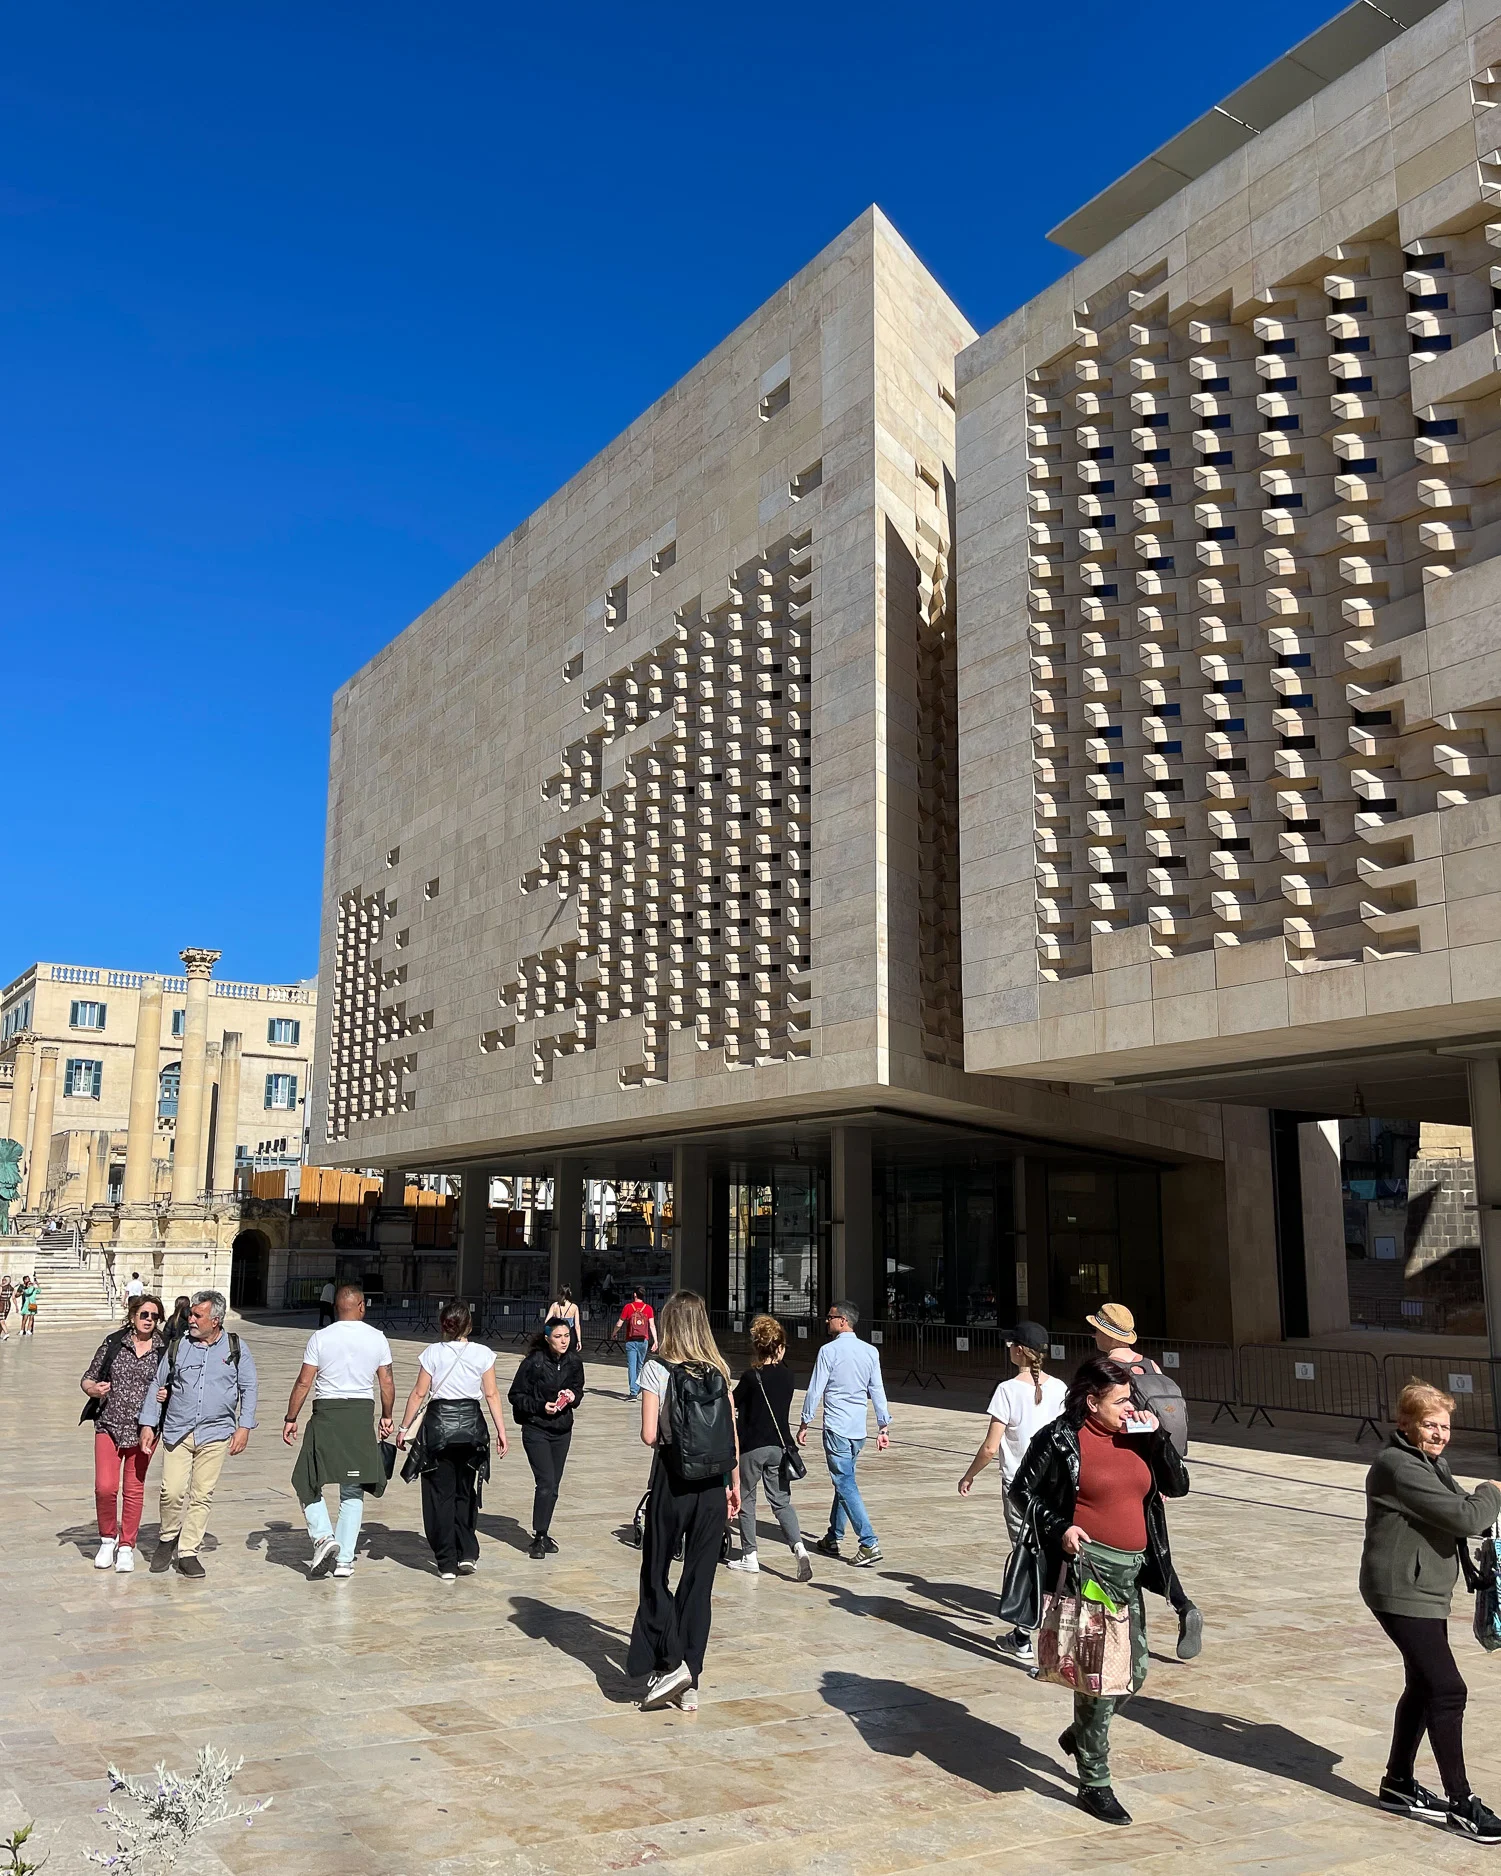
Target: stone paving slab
{"x": 863, "y": 1723}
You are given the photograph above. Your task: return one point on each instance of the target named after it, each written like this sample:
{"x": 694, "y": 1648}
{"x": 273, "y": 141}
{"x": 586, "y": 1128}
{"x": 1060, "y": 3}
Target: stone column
{"x": 227, "y": 1125}
{"x": 98, "y": 1186}
{"x": 690, "y": 1219}
{"x": 145, "y": 1072}
{"x": 187, "y": 1160}
{"x": 567, "y": 1225}
{"x": 474, "y": 1216}
{"x": 210, "y": 1112}
{"x": 1485, "y": 1134}
{"x": 20, "y": 1088}
{"x": 41, "y": 1130}
{"x": 852, "y": 1273}
{"x": 1323, "y": 1227}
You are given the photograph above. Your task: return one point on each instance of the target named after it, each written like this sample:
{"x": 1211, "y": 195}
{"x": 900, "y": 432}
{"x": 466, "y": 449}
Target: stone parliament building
{"x": 968, "y": 814}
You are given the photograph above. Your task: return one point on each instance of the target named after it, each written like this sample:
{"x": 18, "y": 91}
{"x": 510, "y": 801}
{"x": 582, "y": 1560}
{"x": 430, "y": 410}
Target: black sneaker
{"x": 161, "y": 1557}
{"x": 1410, "y": 1799}
{"x": 538, "y": 1548}
{"x": 1190, "y": 1633}
{"x": 827, "y": 1546}
{"x": 552, "y": 1549}
{"x": 1101, "y": 1802}
{"x": 191, "y": 1568}
{"x": 1474, "y": 1820}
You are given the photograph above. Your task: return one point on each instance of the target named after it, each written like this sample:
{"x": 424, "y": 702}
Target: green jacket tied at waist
{"x": 339, "y": 1447}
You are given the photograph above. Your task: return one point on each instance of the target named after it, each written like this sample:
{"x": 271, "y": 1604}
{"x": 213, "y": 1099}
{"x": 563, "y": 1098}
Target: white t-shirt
{"x": 346, "y": 1355}
{"x": 655, "y": 1377}
{"x": 1015, "y": 1404}
{"x": 135, "y": 1287}
{"x": 457, "y": 1369}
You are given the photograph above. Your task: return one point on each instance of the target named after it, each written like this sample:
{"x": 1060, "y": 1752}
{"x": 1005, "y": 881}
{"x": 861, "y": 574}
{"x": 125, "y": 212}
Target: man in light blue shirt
{"x": 846, "y": 1375}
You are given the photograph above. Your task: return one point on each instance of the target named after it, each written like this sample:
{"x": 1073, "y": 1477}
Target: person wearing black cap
{"x": 1018, "y": 1408}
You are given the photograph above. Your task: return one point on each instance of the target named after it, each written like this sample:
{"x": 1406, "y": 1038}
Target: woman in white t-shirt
{"x": 1019, "y": 1408}
{"x": 454, "y": 1376}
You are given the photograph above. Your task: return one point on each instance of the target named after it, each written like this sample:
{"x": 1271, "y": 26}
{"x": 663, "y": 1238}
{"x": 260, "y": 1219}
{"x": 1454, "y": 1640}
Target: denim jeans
{"x": 841, "y": 1454}
{"x": 635, "y": 1361}
{"x": 351, "y": 1516}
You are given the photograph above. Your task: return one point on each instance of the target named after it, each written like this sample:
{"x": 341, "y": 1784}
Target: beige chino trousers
{"x": 189, "y": 1474}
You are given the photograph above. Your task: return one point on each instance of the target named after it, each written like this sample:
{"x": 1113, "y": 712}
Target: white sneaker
{"x": 104, "y": 1557}
{"x": 687, "y": 1700}
{"x": 662, "y": 1689}
{"x": 466, "y": 1568}
{"x": 344, "y": 1569}
{"x": 325, "y": 1549}
{"x": 444, "y": 1576}
{"x": 125, "y": 1560}
{"x": 748, "y": 1561}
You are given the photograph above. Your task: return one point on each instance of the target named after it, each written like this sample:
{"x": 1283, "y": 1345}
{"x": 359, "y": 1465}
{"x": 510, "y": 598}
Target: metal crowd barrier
{"x": 1470, "y": 1379}
{"x": 1343, "y": 1383}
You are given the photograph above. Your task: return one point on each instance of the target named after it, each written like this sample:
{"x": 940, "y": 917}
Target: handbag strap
{"x": 769, "y": 1414}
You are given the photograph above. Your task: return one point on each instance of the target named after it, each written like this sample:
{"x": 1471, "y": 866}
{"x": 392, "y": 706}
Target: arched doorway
{"x": 249, "y": 1265}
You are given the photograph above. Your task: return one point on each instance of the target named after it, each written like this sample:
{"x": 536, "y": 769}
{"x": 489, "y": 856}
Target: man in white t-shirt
{"x": 342, "y": 1367}
{"x": 1019, "y": 1407}
{"x": 135, "y": 1287}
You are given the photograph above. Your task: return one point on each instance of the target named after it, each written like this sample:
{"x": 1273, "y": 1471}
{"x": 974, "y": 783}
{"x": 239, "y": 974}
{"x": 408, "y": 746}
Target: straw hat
{"x": 1115, "y": 1319}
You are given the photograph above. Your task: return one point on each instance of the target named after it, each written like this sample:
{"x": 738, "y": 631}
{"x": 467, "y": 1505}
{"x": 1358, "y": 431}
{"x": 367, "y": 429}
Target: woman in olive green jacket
{"x": 1417, "y": 1517}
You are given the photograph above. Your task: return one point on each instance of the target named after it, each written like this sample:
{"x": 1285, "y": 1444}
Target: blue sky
{"x": 303, "y": 308}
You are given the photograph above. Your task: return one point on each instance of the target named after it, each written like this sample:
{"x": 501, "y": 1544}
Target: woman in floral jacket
{"x": 116, "y": 1380}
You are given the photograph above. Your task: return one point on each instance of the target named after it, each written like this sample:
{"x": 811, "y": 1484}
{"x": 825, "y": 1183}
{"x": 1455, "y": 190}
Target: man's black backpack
{"x": 700, "y": 1424}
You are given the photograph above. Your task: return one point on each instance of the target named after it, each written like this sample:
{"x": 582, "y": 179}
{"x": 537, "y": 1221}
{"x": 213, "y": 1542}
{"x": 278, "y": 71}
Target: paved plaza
{"x": 862, "y": 1724}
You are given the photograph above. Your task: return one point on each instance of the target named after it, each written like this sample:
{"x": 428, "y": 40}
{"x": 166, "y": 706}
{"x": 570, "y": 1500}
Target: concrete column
{"x": 145, "y": 1071}
{"x": 567, "y": 1225}
{"x": 393, "y": 1189}
{"x": 41, "y": 1129}
{"x": 1323, "y": 1227}
{"x": 1485, "y": 1133}
{"x": 474, "y": 1216}
{"x": 187, "y": 1157}
{"x": 20, "y": 1088}
{"x": 97, "y": 1190}
{"x": 690, "y": 1219}
{"x": 227, "y": 1123}
{"x": 853, "y": 1262}
{"x": 211, "y": 1060}
{"x": 1019, "y": 1242}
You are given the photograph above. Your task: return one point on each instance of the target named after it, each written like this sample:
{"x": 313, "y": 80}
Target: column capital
{"x": 21, "y": 1039}
{"x": 199, "y": 963}
{"x": 48, "y": 1048}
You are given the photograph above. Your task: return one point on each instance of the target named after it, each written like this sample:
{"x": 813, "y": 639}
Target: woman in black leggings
{"x": 548, "y": 1386}
{"x": 1417, "y": 1517}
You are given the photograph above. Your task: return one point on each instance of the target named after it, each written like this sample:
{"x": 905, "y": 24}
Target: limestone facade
{"x": 1229, "y": 531}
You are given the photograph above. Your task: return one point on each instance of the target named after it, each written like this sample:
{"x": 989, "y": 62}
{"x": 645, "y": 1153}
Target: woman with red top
{"x": 1096, "y": 1478}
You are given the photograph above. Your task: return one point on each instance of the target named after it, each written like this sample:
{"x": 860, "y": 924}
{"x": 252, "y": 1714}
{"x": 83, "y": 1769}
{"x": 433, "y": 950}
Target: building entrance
{"x": 773, "y": 1242}
{"x": 945, "y": 1241}
{"x": 1104, "y": 1244}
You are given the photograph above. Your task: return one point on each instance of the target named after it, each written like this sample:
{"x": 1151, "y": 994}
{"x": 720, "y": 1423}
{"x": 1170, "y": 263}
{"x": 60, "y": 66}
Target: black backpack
{"x": 700, "y": 1424}
{"x": 113, "y": 1343}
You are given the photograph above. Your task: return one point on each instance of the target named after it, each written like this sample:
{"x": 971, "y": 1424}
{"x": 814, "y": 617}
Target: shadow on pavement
{"x": 905, "y": 1722}
{"x": 594, "y": 1645}
{"x": 1260, "y": 1745}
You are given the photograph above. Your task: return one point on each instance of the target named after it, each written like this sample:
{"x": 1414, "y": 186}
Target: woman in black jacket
{"x": 548, "y": 1386}
{"x": 1091, "y": 1486}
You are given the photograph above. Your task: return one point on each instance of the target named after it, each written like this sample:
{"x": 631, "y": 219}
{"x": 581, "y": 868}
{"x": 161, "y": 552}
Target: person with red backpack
{"x": 1115, "y": 1336}
{"x": 639, "y": 1320}
{"x": 688, "y": 1420}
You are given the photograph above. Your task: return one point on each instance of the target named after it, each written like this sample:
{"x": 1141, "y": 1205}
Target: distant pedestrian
{"x": 689, "y": 1423}
{"x": 846, "y": 1376}
{"x": 454, "y": 1377}
{"x": 1091, "y": 1486}
{"x": 135, "y": 1287}
{"x": 116, "y": 1381}
{"x": 326, "y": 1304}
{"x": 544, "y": 1396}
{"x": 31, "y": 1298}
{"x": 562, "y": 1308}
{"x": 7, "y": 1292}
{"x": 177, "y": 1322}
{"x": 1417, "y": 1518}
{"x": 210, "y": 1386}
{"x": 639, "y": 1320}
{"x": 1018, "y": 1408}
{"x": 763, "y": 1399}
{"x": 343, "y": 1368}
{"x": 1115, "y": 1337}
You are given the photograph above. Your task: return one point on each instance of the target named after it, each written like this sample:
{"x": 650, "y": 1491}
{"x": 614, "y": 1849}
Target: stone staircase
{"x": 72, "y": 1293}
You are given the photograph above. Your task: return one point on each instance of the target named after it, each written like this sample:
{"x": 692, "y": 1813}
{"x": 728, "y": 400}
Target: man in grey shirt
{"x": 208, "y": 1384}
{"x": 846, "y": 1376}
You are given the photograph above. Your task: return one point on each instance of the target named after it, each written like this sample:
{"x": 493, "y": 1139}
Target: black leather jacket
{"x": 1047, "y": 1484}
{"x": 541, "y": 1378}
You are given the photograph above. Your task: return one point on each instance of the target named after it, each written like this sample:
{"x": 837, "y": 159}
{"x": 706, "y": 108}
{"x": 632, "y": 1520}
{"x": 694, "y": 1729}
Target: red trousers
{"x": 111, "y": 1467}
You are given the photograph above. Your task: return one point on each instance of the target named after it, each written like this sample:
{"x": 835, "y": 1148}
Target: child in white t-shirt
{"x": 1019, "y": 1407}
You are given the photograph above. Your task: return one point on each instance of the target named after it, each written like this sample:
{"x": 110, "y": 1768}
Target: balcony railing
{"x": 177, "y": 986}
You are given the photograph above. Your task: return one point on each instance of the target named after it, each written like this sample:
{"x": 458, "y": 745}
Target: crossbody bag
{"x": 792, "y": 1466}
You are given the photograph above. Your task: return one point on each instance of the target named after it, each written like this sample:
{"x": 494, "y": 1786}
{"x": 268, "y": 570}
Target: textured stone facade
{"x": 1229, "y": 670}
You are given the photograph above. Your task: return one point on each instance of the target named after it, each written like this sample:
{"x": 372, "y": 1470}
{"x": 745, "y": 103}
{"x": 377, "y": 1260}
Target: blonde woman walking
{"x": 689, "y": 1423}
{"x": 763, "y": 1399}
{"x": 1019, "y": 1407}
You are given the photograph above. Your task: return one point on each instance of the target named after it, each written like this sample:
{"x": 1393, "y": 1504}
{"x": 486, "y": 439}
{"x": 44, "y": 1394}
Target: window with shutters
{"x": 82, "y": 1078}
{"x": 82, "y": 1015}
{"x": 166, "y": 1091}
{"x": 285, "y": 1030}
{"x": 281, "y": 1091}
{"x": 179, "y": 1021}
